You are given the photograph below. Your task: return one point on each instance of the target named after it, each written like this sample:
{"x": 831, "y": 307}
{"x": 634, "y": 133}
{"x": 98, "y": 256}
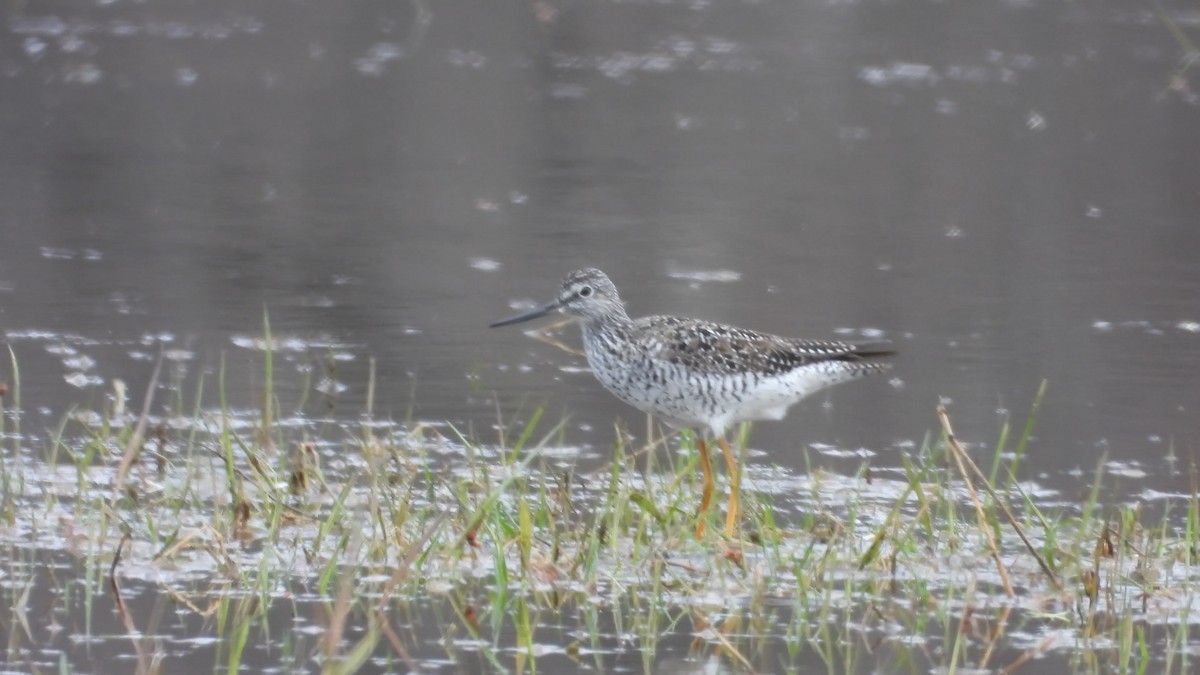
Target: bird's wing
{"x": 714, "y": 348}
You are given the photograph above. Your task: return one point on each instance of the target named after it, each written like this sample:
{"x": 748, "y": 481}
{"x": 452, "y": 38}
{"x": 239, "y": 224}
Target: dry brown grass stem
{"x": 134, "y": 445}
{"x": 958, "y": 451}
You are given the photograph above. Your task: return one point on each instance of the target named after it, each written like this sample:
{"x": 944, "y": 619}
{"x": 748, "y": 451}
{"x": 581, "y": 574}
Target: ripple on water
{"x": 485, "y": 264}
{"x": 724, "y": 276}
{"x": 288, "y": 344}
{"x": 375, "y": 62}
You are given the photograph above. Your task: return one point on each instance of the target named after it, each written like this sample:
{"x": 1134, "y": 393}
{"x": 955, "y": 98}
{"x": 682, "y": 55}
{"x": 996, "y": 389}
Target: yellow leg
{"x": 731, "y": 516}
{"x": 706, "y": 496}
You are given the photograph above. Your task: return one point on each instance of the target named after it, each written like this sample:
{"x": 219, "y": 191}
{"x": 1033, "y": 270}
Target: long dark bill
{"x": 531, "y": 314}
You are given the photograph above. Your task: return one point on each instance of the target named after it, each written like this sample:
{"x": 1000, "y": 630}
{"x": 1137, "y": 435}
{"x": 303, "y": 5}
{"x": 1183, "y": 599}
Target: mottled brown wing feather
{"x": 714, "y": 348}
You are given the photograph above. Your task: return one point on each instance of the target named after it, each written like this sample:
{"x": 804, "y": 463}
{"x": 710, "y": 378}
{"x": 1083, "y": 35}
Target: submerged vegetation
{"x": 190, "y": 537}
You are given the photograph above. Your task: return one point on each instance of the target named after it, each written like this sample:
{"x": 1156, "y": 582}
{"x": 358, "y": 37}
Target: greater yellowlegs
{"x": 701, "y": 375}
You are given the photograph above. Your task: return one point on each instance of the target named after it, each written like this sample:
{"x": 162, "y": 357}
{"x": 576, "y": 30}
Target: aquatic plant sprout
{"x": 187, "y": 535}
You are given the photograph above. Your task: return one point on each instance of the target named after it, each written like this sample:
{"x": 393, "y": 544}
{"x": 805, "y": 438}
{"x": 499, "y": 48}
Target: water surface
{"x": 1008, "y": 190}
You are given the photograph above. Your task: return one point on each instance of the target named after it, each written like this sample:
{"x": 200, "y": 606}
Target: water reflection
{"x": 1007, "y": 190}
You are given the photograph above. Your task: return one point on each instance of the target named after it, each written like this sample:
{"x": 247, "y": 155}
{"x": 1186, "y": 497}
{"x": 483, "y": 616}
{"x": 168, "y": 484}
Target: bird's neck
{"x": 612, "y": 326}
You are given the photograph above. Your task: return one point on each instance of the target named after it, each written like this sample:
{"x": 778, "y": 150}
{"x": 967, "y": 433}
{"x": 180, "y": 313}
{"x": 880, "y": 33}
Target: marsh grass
{"x": 386, "y": 546}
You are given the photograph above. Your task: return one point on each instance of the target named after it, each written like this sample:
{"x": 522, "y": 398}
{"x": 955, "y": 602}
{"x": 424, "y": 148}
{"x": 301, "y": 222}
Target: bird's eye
{"x": 586, "y": 291}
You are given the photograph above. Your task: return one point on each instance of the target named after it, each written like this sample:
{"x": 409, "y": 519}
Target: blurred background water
{"x": 1007, "y": 189}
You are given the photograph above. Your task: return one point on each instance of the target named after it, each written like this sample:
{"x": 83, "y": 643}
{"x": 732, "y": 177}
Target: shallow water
{"x": 1007, "y": 190}
{"x": 800, "y": 603}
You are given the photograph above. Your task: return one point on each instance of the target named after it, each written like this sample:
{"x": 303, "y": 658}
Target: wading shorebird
{"x": 700, "y": 375}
